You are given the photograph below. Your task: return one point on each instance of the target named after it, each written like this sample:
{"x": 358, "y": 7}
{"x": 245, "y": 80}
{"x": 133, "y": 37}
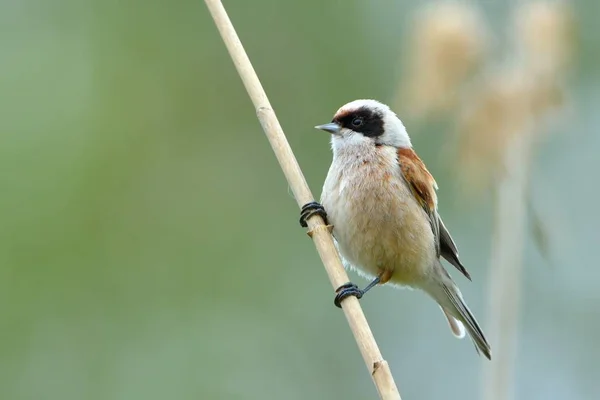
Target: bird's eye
{"x": 357, "y": 121}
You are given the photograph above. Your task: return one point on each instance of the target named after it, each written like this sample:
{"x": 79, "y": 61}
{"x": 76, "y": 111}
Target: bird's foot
{"x": 310, "y": 209}
{"x": 346, "y": 290}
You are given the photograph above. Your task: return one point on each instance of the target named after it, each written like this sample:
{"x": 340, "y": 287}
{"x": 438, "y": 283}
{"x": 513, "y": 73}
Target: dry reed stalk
{"x": 506, "y": 266}
{"x": 498, "y": 139}
{"x": 377, "y": 366}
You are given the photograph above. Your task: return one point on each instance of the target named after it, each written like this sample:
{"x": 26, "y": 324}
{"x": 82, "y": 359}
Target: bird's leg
{"x": 310, "y": 209}
{"x": 350, "y": 289}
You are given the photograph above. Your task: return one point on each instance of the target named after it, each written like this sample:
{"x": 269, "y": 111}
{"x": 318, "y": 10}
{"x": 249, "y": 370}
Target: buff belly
{"x": 378, "y": 225}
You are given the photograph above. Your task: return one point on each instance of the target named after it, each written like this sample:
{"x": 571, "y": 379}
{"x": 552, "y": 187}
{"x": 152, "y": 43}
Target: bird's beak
{"x": 331, "y": 127}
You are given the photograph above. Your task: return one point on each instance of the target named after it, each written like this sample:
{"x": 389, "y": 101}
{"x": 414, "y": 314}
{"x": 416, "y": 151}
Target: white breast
{"x": 377, "y": 222}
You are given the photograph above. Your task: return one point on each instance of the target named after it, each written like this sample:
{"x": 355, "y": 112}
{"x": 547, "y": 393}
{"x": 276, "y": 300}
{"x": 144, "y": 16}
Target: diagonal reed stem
{"x": 377, "y": 366}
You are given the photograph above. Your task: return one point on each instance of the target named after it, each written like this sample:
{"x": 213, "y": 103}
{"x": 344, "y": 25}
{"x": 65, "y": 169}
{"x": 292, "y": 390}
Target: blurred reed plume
{"x": 494, "y": 111}
{"x": 529, "y": 84}
{"x": 545, "y": 33}
{"x": 450, "y": 69}
{"x": 497, "y": 107}
{"x": 545, "y": 30}
{"x": 447, "y": 43}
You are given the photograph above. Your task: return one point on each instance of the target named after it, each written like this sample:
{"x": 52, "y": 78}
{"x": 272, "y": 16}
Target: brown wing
{"x": 423, "y": 187}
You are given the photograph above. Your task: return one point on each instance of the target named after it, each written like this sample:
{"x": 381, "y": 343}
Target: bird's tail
{"x": 448, "y": 296}
{"x": 457, "y": 327}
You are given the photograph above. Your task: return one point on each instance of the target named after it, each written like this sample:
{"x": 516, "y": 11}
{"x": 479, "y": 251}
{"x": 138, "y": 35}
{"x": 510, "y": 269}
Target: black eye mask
{"x": 371, "y": 122}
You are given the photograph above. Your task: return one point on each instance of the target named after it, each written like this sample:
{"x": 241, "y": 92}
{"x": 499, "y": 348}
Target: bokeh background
{"x": 149, "y": 243}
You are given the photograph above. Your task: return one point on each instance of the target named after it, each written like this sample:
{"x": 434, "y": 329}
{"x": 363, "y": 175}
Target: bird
{"x": 380, "y": 202}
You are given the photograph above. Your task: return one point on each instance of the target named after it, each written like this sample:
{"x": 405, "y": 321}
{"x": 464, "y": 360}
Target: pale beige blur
{"x": 448, "y": 42}
{"x": 545, "y": 30}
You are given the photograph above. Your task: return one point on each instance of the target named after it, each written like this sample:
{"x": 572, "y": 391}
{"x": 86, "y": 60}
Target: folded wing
{"x": 423, "y": 187}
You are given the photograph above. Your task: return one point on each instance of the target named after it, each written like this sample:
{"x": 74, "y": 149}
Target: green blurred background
{"x": 149, "y": 243}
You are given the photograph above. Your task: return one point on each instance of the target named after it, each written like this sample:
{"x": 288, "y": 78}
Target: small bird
{"x": 381, "y": 201}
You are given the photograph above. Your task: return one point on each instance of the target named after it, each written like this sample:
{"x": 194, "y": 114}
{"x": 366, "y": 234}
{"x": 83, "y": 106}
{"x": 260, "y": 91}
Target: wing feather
{"x": 423, "y": 187}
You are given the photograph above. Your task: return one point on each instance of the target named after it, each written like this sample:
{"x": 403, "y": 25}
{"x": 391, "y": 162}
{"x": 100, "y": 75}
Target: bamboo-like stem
{"x": 377, "y": 366}
{"x": 506, "y": 268}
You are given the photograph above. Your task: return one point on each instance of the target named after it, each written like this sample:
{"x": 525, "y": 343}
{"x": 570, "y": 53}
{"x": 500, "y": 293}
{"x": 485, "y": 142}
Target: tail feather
{"x": 445, "y": 292}
{"x": 460, "y": 311}
{"x": 457, "y": 327}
